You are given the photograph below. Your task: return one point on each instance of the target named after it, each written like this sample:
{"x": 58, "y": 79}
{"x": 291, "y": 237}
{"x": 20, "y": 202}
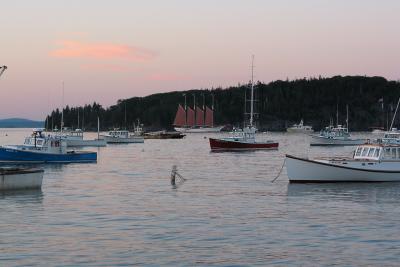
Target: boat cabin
{"x": 38, "y": 141}
{"x": 335, "y": 132}
{"x": 377, "y": 152}
{"x": 119, "y": 134}
{"x": 391, "y": 137}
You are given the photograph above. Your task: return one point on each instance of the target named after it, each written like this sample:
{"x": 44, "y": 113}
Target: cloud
{"x": 77, "y": 49}
{"x": 167, "y": 77}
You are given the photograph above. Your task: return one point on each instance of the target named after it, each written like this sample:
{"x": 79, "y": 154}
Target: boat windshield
{"x": 368, "y": 152}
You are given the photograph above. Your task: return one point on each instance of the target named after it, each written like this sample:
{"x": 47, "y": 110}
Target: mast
{"x": 337, "y": 113}
{"x": 83, "y": 118}
{"x": 98, "y": 127}
{"x": 204, "y": 110}
{"x": 185, "y": 111}
{"x": 62, "y": 112}
{"x": 194, "y": 108}
{"x": 347, "y": 117}
{"x": 125, "y": 115}
{"x": 252, "y": 91}
{"x": 394, "y": 116}
{"x": 78, "y": 117}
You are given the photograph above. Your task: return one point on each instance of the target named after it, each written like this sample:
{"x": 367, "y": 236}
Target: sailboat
{"x": 196, "y": 119}
{"x": 336, "y": 136}
{"x": 244, "y": 139}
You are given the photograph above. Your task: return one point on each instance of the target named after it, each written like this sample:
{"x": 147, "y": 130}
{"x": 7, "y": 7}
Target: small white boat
{"x": 122, "y": 137}
{"x": 370, "y": 163}
{"x": 300, "y": 128}
{"x": 20, "y": 178}
{"x": 75, "y": 139}
{"x": 335, "y": 136}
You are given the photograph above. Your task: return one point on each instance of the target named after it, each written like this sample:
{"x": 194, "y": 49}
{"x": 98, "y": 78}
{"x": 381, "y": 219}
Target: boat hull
{"x": 322, "y": 141}
{"x": 18, "y": 179}
{"x": 19, "y": 155}
{"x": 199, "y": 130}
{"x": 80, "y": 143}
{"x": 231, "y": 145}
{"x": 118, "y": 140}
{"x": 301, "y": 170}
{"x": 295, "y": 130}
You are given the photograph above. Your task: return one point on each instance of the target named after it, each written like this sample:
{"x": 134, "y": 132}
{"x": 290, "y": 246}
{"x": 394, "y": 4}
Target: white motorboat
{"x": 335, "y": 136}
{"x": 122, "y": 137}
{"x": 75, "y": 139}
{"x": 12, "y": 178}
{"x": 300, "y": 128}
{"x": 378, "y": 162}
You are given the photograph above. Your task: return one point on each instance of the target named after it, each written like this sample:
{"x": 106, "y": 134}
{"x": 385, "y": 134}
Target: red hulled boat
{"x": 243, "y": 140}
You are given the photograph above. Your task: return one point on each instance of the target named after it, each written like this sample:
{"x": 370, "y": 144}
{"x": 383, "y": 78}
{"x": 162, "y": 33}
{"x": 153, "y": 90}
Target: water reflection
{"x": 23, "y": 196}
{"x": 356, "y": 192}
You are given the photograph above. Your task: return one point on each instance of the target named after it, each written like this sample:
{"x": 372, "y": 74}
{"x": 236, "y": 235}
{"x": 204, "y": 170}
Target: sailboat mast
{"x": 194, "y": 108}
{"x": 394, "y": 116}
{"x": 125, "y": 115}
{"x": 98, "y": 127}
{"x": 62, "y": 112}
{"x": 78, "y": 118}
{"x": 337, "y": 113}
{"x": 185, "y": 111}
{"x": 252, "y": 91}
{"x": 347, "y": 117}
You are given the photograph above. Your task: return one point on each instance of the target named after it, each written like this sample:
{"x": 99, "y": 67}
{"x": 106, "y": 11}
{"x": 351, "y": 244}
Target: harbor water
{"x": 123, "y": 210}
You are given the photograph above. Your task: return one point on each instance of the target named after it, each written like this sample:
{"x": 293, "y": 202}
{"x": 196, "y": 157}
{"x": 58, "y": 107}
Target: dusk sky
{"x": 110, "y": 50}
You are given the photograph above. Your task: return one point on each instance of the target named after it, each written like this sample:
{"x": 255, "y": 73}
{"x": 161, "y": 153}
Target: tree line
{"x": 371, "y": 102}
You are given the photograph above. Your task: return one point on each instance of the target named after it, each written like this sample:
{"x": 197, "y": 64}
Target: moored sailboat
{"x": 245, "y": 139}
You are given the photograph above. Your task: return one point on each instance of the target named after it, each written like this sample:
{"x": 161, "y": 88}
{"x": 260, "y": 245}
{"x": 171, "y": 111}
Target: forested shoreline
{"x": 371, "y": 101}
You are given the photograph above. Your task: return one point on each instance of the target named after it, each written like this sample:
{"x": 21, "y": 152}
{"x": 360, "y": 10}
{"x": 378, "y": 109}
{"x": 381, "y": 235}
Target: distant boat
{"x": 196, "y": 120}
{"x": 39, "y": 148}
{"x": 163, "y": 135}
{"x": 370, "y": 163}
{"x": 300, "y": 128}
{"x": 75, "y": 138}
{"x": 122, "y": 137}
{"x": 12, "y": 178}
{"x": 336, "y": 136}
{"x": 245, "y": 139}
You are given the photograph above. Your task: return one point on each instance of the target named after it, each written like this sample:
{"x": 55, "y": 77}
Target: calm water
{"x": 123, "y": 211}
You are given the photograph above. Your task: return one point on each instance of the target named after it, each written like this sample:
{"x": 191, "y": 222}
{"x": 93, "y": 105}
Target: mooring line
{"x": 280, "y": 171}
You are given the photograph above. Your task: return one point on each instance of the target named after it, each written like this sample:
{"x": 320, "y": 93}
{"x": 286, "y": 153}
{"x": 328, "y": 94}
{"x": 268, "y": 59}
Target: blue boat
{"x": 39, "y": 148}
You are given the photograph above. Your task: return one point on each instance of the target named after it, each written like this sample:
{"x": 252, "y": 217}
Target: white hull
{"x": 296, "y": 130}
{"x": 322, "y": 141}
{"x": 305, "y": 170}
{"x": 93, "y": 143}
{"x": 122, "y": 140}
{"x": 199, "y": 130}
{"x": 17, "y": 180}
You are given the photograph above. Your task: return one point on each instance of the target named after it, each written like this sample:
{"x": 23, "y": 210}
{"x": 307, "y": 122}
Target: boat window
{"x": 393, "y": 153}
{"x": 39, "y": 142}
{"x": 371, "y": 152}
{"x": 387, "y": 152}
{"x": 398, "y": 152}
{"x": 376, "y": 155}
{"x": 358, "y": 152}
{"x": 365, "y": 151}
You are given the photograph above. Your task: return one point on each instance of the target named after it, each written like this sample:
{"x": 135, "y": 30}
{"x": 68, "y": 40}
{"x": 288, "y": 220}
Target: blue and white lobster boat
{"x": 39, "y": 148}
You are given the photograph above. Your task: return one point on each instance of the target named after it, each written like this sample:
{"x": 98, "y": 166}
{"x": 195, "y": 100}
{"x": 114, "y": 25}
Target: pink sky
{"x": 109, "y": 50}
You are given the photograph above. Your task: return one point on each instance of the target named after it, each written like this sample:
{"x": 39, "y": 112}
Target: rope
{"x": 280, "y": 171}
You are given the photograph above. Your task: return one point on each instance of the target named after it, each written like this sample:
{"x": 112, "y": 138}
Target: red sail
{"x": 180, "y": 117}
{"x": 209, "y": 117}
{"x": 199, "y": 117}
{"x": 190, "y": 117}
